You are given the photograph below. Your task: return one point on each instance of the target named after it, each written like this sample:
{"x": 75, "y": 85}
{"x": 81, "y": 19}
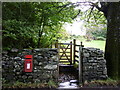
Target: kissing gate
{"x": 69, "y": 53}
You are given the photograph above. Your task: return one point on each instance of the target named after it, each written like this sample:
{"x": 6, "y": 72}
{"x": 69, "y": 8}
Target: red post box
{"x": 28, "y": 64}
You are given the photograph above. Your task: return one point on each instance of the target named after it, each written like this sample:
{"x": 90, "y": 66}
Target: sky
{"x": 77, "y": 27}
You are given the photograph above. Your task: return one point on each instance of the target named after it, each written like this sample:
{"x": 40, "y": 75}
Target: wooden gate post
{"x": 71, "y": 52}
{"x": 56, "y": 44}
{"x": 81, "y": 44}
{"x": 80, "y": 65}
{"x": 74, "y": 48}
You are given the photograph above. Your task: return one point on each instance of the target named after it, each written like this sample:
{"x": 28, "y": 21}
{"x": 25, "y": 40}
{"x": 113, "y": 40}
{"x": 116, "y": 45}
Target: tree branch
{"x": 77, "y": 14}
{"x": 90, "y": 14}
{"x": 103, "y": 8}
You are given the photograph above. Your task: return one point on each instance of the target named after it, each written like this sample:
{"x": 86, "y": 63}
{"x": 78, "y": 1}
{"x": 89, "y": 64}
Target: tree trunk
{"x": 40, "y": 33}
{"x": 42, "y": 22}
{"x": 112, "y": 50}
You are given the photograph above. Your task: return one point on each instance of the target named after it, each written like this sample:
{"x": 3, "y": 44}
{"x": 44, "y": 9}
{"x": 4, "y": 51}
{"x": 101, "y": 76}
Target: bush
{"x": 99, "y": 33}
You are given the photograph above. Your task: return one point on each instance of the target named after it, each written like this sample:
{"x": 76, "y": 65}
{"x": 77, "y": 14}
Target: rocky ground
{"x": 66, "y": 77}
{"x": 67, "y": 81}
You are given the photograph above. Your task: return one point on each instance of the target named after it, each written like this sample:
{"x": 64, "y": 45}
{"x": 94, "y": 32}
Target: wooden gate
{"x": 65, "y": 52}
{"x": 68, "y": 52}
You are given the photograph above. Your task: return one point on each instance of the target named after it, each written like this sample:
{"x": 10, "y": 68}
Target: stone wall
{"x": 45, "y": 66}
{"x": 94, "y": 64}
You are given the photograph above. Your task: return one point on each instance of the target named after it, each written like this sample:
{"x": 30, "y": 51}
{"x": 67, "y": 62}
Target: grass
{"x": 102, "y": 83}
{"x": 95, "y": 43}
{"x": 17, "y": 84}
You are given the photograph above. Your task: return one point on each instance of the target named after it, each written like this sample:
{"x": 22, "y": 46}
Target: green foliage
{"x": 29, "y": 24}
{"x": 64, "y": 35}
{"x": 17, "y": 84}
{"x": 51, "y": 84}
{"x": 17, "y": 32}
{"x": 93, "y": 17}
{"x": 95, "y": 23}
{"x": 99, "y": 33}
{"x": 76, "y": 65}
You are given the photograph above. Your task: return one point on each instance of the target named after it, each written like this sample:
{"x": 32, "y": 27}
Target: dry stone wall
{"x": 94, "y": 64}
{"x": 45, "y": 66}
